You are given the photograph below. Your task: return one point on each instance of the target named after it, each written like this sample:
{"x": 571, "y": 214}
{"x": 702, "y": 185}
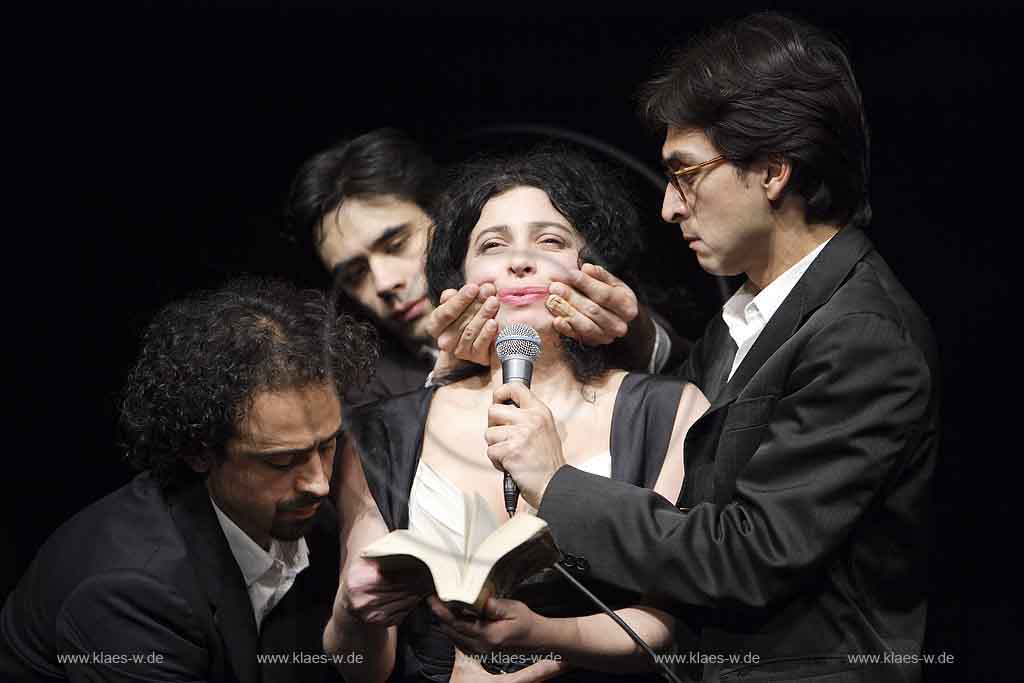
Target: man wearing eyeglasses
{"x": 798, "y": 547}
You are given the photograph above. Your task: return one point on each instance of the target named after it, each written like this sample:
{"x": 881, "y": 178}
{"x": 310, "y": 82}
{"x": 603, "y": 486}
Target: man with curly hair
{"x": 224, "y": 548}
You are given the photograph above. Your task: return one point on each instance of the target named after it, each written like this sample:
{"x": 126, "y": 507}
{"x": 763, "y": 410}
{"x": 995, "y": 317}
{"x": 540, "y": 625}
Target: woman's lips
{"x": 522, "y": 296}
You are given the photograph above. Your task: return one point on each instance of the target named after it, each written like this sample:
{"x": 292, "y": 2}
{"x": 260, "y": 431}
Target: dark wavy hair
{"x": 769, "y": 86}
{"x": 205, "y": 358}
{"x": 584, "y": 191}
{"x": 385, "y": 161}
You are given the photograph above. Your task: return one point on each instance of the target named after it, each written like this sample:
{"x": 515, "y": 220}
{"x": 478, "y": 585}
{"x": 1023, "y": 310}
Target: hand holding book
{"x": 379, "y": 597}
{"x": 506, "y": 625}
{"x": 467, "y": 569}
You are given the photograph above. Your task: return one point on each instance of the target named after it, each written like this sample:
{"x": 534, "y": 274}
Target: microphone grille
{"x": 517, "y": 340}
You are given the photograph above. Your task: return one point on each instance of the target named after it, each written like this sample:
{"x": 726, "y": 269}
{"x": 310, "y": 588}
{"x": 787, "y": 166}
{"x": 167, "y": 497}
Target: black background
{"x": 151, "y": 150}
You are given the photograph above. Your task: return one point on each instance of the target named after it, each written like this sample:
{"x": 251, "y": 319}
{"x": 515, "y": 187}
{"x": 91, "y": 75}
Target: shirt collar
{"x": 253, "y": 560}
{"x": 744, "y": 306}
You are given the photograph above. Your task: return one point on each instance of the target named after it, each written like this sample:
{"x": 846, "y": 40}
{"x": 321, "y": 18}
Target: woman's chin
{"x": 539, "y": 320}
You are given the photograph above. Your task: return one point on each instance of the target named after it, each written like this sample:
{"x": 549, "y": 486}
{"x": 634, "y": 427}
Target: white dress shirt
{"x": 268, "y": 575}
{"x": 746, "y": 314}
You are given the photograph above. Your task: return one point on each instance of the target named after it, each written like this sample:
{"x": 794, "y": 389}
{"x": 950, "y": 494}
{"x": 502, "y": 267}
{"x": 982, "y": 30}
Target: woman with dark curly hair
{"x": 516, "y": 224}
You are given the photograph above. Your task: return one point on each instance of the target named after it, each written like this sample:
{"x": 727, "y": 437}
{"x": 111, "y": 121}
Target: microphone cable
{"x": 665, "y": 671}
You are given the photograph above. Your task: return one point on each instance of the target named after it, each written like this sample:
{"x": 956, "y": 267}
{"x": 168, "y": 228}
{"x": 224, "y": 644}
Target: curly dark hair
{"x": 584, "y": 191}
{"x": 205, "y": 358}
{"x": 770, "y": 86}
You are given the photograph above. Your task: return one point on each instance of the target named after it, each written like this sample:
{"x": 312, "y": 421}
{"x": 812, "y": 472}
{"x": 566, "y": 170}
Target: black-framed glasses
{"x": 682, "y": 178}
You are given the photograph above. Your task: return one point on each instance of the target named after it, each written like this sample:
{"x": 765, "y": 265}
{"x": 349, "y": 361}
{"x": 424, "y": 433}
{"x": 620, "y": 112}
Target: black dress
{"x": 388, "y": 435}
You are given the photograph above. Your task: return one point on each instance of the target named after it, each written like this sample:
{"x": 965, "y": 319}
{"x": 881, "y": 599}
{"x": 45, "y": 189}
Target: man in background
{"x": 366, "y": 205}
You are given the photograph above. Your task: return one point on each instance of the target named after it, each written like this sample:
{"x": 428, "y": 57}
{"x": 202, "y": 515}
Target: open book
{"x": 491, "y": 560}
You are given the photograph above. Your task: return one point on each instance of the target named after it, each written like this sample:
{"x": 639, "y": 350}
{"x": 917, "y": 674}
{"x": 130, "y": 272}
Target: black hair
{"x": 205, "y": 358}
{"x": 585, "y": 192}
{"x": 381, "y": 162}
{"x": 769, "y": 86}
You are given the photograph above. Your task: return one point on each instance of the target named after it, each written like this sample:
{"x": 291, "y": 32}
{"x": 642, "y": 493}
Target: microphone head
{"x": 517, "y": 340}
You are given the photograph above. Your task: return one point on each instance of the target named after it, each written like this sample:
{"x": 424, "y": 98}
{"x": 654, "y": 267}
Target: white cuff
{"x": 661, "y": 351}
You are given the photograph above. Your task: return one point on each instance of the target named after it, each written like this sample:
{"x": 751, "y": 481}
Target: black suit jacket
{"x": 801, "y": 532}
{"x": 399, "y": 370}
{"x": 141, "y": 573}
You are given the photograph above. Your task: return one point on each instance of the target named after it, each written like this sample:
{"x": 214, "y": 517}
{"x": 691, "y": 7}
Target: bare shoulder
{"x": 692, "y": 402}
{"x": 609, "y": 383}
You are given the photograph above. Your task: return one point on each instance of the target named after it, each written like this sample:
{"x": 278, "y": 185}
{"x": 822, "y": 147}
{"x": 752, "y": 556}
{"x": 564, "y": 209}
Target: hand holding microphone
{"x": 521, "y": 435}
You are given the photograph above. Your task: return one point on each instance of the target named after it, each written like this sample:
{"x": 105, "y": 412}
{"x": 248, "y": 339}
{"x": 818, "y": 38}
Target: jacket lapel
{"x": 717, "y": 371}
{"x": 826, "y": 273}
{"x": 817, "y": 285}
{"x": 220, "y": 577}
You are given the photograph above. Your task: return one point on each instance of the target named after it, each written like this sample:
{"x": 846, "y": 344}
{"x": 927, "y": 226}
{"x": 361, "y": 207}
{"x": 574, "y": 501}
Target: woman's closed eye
{"x": 552, "y": 241}
{"x": 490, "y": 245}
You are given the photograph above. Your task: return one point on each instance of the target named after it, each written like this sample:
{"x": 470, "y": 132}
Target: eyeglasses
{"x": 682, "y": 178}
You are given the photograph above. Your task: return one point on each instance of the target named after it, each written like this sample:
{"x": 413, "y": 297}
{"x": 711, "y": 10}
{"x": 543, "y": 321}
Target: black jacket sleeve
{"x": 845, "y": 422}
{"x": 129, "y": 626}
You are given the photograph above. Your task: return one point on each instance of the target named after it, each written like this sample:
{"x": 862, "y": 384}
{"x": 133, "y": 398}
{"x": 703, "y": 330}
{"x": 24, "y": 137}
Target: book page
{"x": 467, "y": 569}
{"x": 433, "y": 544}
{"x": 537, "y": 551}
{"x": 480, "y": 523}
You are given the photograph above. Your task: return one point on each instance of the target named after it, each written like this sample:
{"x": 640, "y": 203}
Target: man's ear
{"x": 200, "y": 462}
{"x": 776, "y": 177}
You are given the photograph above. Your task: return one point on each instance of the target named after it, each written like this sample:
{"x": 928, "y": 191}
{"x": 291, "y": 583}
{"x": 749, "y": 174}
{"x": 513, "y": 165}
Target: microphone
{"x": 518, "y": 346}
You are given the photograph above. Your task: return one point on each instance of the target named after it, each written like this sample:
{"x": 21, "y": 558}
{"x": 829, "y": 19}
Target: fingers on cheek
{"x": 563, "y": 327}
{"x": 486, "y": 337}
{"x": 445, "y": 342}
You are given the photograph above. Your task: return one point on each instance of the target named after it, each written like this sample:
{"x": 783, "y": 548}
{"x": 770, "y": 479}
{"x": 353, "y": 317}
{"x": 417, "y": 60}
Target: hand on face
{"x": 373, "y": 597}
{"x": 524, "y": 251}
{"x": 464, "y": 323}
{"x": 591, "y": 305}
{"x": 522, "y": 440}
